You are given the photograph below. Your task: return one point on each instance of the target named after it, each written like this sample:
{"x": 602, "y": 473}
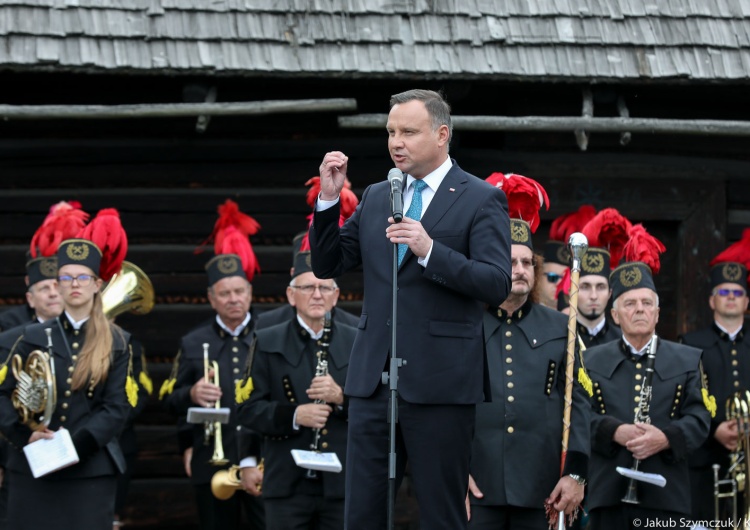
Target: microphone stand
{"x": 390, "y": 378}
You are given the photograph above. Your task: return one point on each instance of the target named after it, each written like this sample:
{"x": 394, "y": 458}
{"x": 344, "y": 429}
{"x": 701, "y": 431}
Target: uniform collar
{"x": 69, "y": 323}
{"x": 238, "y": 331}
{"x": 725, "y": 335}
{"x": 516, "y": 315}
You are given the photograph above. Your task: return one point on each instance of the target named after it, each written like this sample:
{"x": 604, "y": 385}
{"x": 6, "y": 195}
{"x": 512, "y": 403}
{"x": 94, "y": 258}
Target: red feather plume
{"x": 64, "y": 221}
{"x": 644, "y": 247}
{"x": 107, "y": 233}
{"x": 738, "y": 252}
{"x": 570, "y": 223}
{"x": 525, "y": 196}
{"x": 564, "y": 285}
{"x": 348, "y": 203}
{"x": 230, "y": 215}
{"x": 233, "y": 241}
{"x": 608, "y": 229}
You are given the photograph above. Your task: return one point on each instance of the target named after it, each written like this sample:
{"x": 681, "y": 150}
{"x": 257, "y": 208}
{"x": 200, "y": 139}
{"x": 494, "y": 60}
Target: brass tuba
{"x": 35, "y": 395}
{"x": 128, "y": 290}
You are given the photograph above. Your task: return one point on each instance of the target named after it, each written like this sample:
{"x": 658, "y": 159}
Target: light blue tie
{"x": 414, "y": 212}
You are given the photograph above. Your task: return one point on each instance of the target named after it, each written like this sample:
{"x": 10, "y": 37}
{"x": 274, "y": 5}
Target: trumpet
{"x": 212, "y": 429}
{"x": 736, "y": 480}
{"x": 642, "y": 415}
{"x": 35, "y": 395}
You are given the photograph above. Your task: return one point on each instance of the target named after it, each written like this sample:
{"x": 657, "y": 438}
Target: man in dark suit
{"x": 283, "y": 406}
{"x": 726, "y": 365}
{"x": 456, "y": 258}
{"x": 679, "y": 419}
{"x": 593, "y": 296}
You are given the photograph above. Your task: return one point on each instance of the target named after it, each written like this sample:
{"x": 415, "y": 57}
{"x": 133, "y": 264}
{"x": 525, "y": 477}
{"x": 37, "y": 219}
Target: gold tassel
{"x": 709, "y": 401}
{"x": 131, "y": 388}
{"x": 242, "y": 392}
{"x": 166, "y": 388}
{"x": 3, "y": 373}
{"x": 146, "y": 382}
{"x": 585, "y": 382}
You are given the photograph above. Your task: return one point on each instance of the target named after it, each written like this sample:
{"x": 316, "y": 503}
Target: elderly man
{"x": 229, "y": 338}
{"x": 679, "y": 419}
{"x": 298, "y": 402}
{"x": 726, "y": 364}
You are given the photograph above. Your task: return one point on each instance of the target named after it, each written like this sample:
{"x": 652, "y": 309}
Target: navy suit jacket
{"x": 439, "y": 306}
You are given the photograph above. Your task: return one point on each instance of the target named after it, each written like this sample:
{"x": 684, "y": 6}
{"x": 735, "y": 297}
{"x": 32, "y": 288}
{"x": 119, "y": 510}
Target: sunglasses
{"x": 726, "y": 292}
{"x": 553, "y": 277}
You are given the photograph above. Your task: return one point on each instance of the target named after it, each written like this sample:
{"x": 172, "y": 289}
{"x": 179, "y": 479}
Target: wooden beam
{"x": 571, "y": 123}
{"x": 173, "y": 110}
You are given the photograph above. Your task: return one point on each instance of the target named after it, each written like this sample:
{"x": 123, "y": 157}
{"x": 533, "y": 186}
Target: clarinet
{"x": 642, "y": 416}
{"x": 320, "y": 370}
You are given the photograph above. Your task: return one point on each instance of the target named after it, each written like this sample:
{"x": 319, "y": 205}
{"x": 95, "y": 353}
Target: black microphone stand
{"x": 390, "y": 378}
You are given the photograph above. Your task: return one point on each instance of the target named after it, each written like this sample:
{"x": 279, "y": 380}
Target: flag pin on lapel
{"x": 451, "y": 189}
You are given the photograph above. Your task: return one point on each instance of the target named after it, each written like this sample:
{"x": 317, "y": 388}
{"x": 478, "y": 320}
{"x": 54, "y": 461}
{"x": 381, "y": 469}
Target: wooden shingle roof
{"x": 573, "y": 40}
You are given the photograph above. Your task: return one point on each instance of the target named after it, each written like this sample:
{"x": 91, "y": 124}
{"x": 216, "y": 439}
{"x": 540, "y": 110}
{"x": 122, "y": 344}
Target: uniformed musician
{"x": 594, "y": 293}
{"x": 526, "y": 351}
{"x": 292, "y": 408}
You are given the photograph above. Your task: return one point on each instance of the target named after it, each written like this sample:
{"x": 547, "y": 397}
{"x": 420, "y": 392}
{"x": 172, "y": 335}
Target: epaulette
{"x": 131, "y": 387}
{"x": 583, "y": 377}
{"x": 242, "y": 390}
{"x": 167, "y": 387}
{"x": 143, "y": 378}
{"x": 709, "y": 401}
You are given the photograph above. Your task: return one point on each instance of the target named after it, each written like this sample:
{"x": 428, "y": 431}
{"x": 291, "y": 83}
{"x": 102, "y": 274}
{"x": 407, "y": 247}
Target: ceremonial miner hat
{"x": 731, "y": 265}
{"x": 40, "y": 269}
{"x": 525, "y": 198}
{"x": 556, "y": 247}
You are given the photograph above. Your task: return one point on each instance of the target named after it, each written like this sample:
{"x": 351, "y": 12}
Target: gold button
{"x": 288, "y": 393}
{"x": 510, "y": 385}
{"x": 75, "y": 345}
{"x": 235, "y": 339}
{"x": 324, "y": 445}
{"x": 511, "y": 429}
{"x": 70, "y": 369}
{"x": 235, "y": 359}
{"x": 67, "y": 393}
{"x": 635, "y": 409}
{"x": 69, "y": 380}
{"x": 509, "y": 321}
{"x": 64, "y": 405}
{"x": 678, "y": 393}
{"x": 598, "y": 390}
{"x": 291, "y": 400}
{"x": 638, "y": 377}
{"x": 508, "y": 360}
{"x": 734, "y": 352}
{"x": 74, "y": 357}
{"x": 511, "y": 399}
{"x": 76, "y": 332}
{"x": 236, "y": 370}
{"x": 735, "y": 373}
{"x": 324, "y": 432}
{"x": 736, "y": 383}
{"x": 508, "y": 347}
{"x": 599, "y": 398}
{"x": 637, "y": 399}
{"x": 637, "y": 388}
{"x": 508, "y": 333}
{"x": 235, "y": 349}
{"x": 509, "y": 372}
{"x": 677, "y": 401}
{"x": 679, "y": 387}
{"x": 638, "y": 365}
{"x": 734, "y": 362}
{"x": 63, "y": 418}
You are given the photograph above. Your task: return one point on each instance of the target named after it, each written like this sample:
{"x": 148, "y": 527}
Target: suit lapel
{"x": 450, "y": 189}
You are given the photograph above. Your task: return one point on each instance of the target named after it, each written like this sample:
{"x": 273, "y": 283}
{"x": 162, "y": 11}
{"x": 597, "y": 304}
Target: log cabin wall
{"x": 167, "y": 181}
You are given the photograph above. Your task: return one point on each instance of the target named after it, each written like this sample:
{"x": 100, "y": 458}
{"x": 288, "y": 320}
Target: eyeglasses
{"x": 525, "y": 263}
{"x": 310, "y": 289}
{"x": 726, "y": 292}
{"x": 82, "y": 279}
{"x": 553, "y": 277}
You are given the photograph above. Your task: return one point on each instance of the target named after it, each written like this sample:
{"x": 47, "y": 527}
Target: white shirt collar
{"x": 637, "y": 353}
{"x": 596, "y": 329}
{"x": 78, "y": 324}
{"x": 313, "y": 334}
{"x": 236, "y": 332}
{"x": 433, "y": 179}
{"x": 732, "y": 336}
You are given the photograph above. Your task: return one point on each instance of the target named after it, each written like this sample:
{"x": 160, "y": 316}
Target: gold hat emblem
{"x": 593, "y": 263}
{"x": 227, "y": 265}
{"x": 563, "y": 254}
{"x": 77, "y": 252}
{"x": 48, "y": 268}
{"x": 731, "y": 272}
{"x": 519, "y": 232}
{"x": 630, "y": 276}
{"x": 308, "y": 260}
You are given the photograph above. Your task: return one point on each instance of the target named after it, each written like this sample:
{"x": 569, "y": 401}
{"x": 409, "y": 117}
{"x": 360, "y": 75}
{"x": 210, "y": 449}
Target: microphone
{"x": 396, "y": 180}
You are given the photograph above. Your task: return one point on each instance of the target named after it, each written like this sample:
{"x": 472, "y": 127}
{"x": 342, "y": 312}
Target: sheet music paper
{"x": 651, "y": 478}
{"x": 48, "y": 455}
{"x": 201, "y": 414}
{"x": 318, "y": 461}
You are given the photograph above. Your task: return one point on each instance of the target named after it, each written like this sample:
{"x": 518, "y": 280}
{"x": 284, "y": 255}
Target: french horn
{"x": 128, "y": 290}
{"x": 35, "y": 395}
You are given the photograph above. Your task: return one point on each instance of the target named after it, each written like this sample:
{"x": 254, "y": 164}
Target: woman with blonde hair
{"x": 91, "y": 361}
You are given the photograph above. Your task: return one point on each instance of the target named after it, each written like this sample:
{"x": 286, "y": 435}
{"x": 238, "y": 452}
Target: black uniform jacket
{"x": 231, "y": 354}
{"x": 516, "y": 452}
{"x": 726, "y": 367}
{"x": 607, "y": 334}
{"x": 282, "y": 371}
{"x": 676, "y": 407}
{"x": 439, "y": 306}
{"x": 94, "y": 419}
{"x": 16, "y": 316}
